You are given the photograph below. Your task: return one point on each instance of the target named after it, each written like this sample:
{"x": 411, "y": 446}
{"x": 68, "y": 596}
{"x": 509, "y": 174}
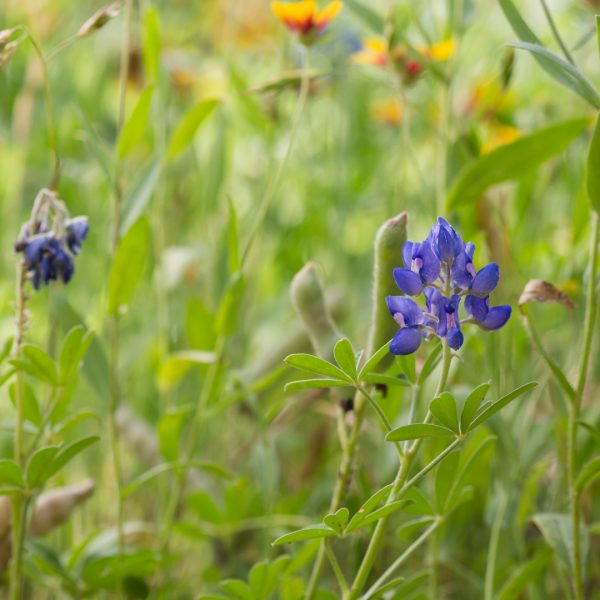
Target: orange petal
{"x": 324, "y": 16}
{"x": 296, "y": 15}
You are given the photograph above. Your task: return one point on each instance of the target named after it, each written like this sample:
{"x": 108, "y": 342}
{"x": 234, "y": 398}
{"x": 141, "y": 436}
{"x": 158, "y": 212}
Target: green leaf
{"x": 376, "y": 378}
{"x": 408, "y": 365}
{"x": 227, "y": 316}
{"x": 344, "y": 356}
{"x": 311, "y": 532}
{"x": 593, "y": 167}
{"x": 205, "y": 507}
{"x": 524, "y": 574}
{"x": 141, "y": 191}
{"x": 512, "y": 161}
{"x": 417, "y": 431}
{"x": 306, "y": 384}
{"x": 337, "y": 521}
{"x": 367, "y": 15}
{"x": 151, "y": 43}
{"x": 363, "y": 519}
{"x": 128, "y": 266}
{"x": 443, "y": 408}
{"x": 74, "y": 347}
{"x": 557, "y": 530}
{"x": 39, "y": 364}
{"x": 588, "y": 474}
{"x": 500, "y": 404}
{"x": 429, "y": 365}
{"x": 134, "y": 127}
{"x": 10, "y": 474}
{"x": 314, "y": 364}
{"x": 31, "y": 408}
{"x": 169, "y": 432}
{"x": 374, "y": 360}
{"x": 233, "y": 246}
{"x": 189, "y": 125}
{"x": 471, "y": 405}
{"x": 39, "y": 465}
{"x": 67, "y": 453}
{"x": 176, "y": 365}
{"x": 562, "y": 71}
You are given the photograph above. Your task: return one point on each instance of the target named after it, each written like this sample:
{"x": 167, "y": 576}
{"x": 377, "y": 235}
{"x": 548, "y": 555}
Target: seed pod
{"x": 308, "y": 299}
{"x": 538, "y": 290}
{"x": 54, "y": 507}
{"x": 388, "y": 255}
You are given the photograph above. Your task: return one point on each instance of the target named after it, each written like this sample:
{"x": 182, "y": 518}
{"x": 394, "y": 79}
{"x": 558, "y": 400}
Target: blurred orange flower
{"x": 387, "y": 112}
{"x": 305, "y": 19}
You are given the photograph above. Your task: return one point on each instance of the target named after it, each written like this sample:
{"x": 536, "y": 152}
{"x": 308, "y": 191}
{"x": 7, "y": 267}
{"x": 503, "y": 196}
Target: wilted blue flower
{"x": 49, "y": 256}
{"x": 442, "y": 268}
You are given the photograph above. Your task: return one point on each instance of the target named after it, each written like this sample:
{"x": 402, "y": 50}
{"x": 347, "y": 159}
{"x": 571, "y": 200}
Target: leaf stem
{"x": 335, "y": 565}
{"x": 591, "y": 309}
{"x": 400, "y": 485}
{"x": 400, "y": 560}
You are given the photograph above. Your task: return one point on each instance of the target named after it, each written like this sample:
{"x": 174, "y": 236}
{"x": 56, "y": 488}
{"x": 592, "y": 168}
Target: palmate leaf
{"x": 337, "y": 521}
{"x": 472, "y": 404}
{"x": 374, "y": 360}
{"x": 311, "y": 532}
{"x": 314, "y": 364}
{"x": 345, "y": 358}
{"x": 417, "y": 431}
{"x": 443, "y": 408}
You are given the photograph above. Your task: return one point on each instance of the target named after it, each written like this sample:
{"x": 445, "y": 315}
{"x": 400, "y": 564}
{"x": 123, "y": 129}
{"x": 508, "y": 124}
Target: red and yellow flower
{"x": 305, "y": 18}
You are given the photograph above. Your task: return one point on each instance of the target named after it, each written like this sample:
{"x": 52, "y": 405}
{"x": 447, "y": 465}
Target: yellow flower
{"x": 304, "y": 17}
{"x": 440, "y": 52}
{"x": 374, "y": 52}
{"x": 387, "y": 112}
{"x": 500, "y": 135}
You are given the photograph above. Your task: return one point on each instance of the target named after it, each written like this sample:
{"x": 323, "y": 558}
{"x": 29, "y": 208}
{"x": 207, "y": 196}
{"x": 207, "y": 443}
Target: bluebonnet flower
{"x": 48, "y": 253}
{"x": 442, "y": 268}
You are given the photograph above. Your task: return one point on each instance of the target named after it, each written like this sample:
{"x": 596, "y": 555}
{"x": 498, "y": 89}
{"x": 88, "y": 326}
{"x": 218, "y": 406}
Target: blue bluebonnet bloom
{"x": 49, "y": 252}
{"x": 442, "y": 268}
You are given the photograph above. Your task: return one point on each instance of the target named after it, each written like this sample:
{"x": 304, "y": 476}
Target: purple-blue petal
{"x": 486, "y": 279}
{"x": 477, "y": 307}
{"x": 430, "y": 269}
{"x": 497, "y": 317}
{"x": 446, "y": 243}
{"x": 406, "y": 341}
{"x": 407, "y": 254}
{"x": 408, "y": 281}
{"x": 409, "y": 309}
{"x": 454, "y": 338}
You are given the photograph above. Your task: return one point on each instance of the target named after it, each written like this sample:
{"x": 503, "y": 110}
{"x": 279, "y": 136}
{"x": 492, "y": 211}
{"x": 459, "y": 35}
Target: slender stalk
{"x": 274, "y": 181}
{"x": 114, "y": 320}
{"x": 591, "y": 310}
{"x": 50, "y": 114}
{"x": 384, "y": 420}
{"x": 19, "y": 500}
{"x": 335, "y": 565}
{"x": 399, "y": 484}
{"x": 556, "y": 33}
{"x": 401, "y": 559}
{"x": 490, "y": 567}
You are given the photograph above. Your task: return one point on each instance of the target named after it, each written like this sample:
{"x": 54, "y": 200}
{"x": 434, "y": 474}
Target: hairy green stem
{"x": 591, "y": 309}
{"x": 490, "y": 567}
{"x": 19, "y": 500}
{"x": 401, "y": 559}
{"x": 398, "y": 487}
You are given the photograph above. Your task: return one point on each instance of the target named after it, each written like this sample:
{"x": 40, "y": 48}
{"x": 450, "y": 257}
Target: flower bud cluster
{"x": 441, "y": 268}
{"x": 49, "y": 241}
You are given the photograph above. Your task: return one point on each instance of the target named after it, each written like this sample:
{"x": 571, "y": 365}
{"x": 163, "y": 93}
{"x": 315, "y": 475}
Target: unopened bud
{"x": 308, "y": 298}
{"x": 388, "y": 254}
{"x": 99, "y": 19}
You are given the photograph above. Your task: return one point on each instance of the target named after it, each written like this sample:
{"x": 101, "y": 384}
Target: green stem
{"x": 50, "y": 115}
{"x": 275, "y": 179}
{"x": 384, "y": 420}
{"x": 114, "y": 320}
{"x": 335, "y": 565}
{"x": 591, "y": 309}
{"x": 400, "y": 560}
{"x": 490, "y": 568}
{"x": 556, "y": 33}
{"x": 19, "y": 500}
{"x": 398, "y": 487}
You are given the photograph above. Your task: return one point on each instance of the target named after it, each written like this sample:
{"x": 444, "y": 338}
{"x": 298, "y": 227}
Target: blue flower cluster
{"x": 49, "y": 256}
{"x": 442, "y": 269}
